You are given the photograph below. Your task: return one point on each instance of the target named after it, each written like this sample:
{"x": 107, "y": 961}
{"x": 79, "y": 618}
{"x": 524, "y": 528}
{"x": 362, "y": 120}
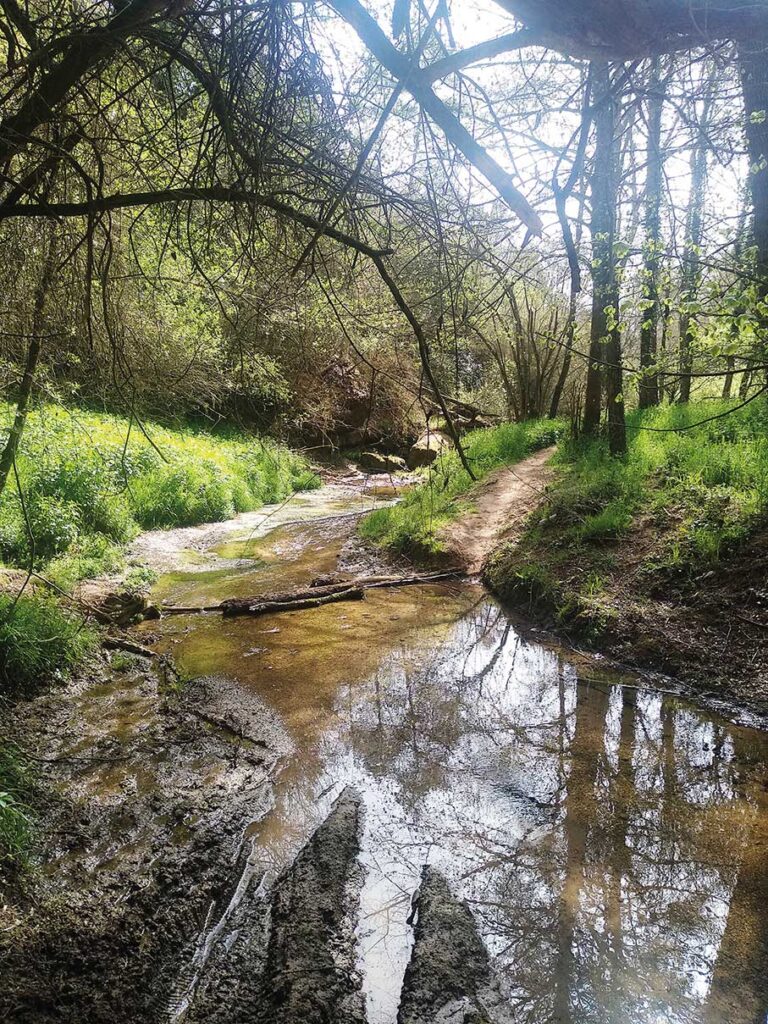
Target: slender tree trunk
{"x": 8, "y": 456}
{"x": 570, "y": 335}
{"x": 605, "y": 338}
{"x": 691, "y": 259}
{"x": 603, "y": 227}
{"x": 649, "y": 380}
{"x": 746, "y": 381}
{"x": 753, "y": 61}
{"x": 728, "y": 382}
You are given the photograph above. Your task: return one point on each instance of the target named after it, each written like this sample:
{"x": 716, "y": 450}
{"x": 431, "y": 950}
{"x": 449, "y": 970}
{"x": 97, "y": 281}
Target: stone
{"x": 375, "y": 462}
{"x": 427, "y": 448}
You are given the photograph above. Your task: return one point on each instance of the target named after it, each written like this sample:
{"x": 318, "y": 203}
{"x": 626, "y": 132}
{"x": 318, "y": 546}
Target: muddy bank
{"x": 152, "y": 788}
{"x": 707, "y": 630}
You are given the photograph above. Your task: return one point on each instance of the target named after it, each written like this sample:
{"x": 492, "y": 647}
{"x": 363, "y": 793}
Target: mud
{"x": 244, "y": 845}
{"x": 449, "y": 979}
{"x": 142, "y": 840}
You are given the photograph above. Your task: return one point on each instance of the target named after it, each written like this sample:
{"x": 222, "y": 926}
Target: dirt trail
{"x": 498, "y": 506}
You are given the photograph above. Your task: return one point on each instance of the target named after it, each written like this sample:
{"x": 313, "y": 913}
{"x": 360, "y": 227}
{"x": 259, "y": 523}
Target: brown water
{"x": 611, "y": 841}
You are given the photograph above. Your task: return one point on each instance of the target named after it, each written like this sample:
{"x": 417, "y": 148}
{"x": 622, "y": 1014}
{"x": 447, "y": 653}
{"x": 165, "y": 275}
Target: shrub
{"x": 38, "y": 641}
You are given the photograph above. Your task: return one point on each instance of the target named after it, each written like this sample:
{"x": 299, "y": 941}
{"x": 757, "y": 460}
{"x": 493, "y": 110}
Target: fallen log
{"x": 268, "y": 604}
{"x": 370, "y": 582}
{"x": 119, "y": 643}
{"x": 322, "y": 590}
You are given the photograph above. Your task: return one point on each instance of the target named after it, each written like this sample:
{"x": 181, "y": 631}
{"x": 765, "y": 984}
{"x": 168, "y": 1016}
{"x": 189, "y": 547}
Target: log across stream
{"x": 607, "y": 842}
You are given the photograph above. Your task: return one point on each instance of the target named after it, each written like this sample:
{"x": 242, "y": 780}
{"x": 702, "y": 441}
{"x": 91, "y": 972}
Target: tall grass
{"x": 711, "y": 479}
{"x": 38, "y": 640}
{"x": 15, "y": 816}
{"x": 90, "y": 482}
{"x": 414, "y": 523}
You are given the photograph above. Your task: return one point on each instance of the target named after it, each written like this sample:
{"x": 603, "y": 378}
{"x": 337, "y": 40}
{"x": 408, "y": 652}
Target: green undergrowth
{"x": 16, "y": 818}
{"x": 413, "y": 524}
{"x": 686, "y": 499}
{"x": 87, "y": 484}
{"x": 91, "y": 481}
{"x": 39, "y": 640}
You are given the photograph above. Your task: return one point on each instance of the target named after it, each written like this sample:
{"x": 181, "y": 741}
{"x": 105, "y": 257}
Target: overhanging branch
{"x": 127, "y": 200}
{"x": 399, "y": 67}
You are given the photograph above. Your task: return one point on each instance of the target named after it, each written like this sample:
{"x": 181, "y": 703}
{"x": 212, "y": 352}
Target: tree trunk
{"x": 8, "y": 456}
{"x": 573, "y": 247}
{"x": 728, "y": 382}
{"x": 649, "y": 379}
{"x": 605, "y": 339}
{"x": 557, "y": 394}
{"x": 691, "y": 260}
{"x": 754, "y": 84}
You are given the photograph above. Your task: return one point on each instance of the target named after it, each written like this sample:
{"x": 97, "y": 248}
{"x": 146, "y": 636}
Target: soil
{"x": 706, "y": 629}
{"x": 449, "y": 976}
{"x": 151, "y": 791}
{"x": 500, "y": 504}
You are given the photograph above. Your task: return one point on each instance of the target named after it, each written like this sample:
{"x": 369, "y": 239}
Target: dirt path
{"x": 498, "y": 506}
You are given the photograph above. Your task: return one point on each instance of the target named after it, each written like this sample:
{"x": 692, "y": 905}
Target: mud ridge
{"x": 449, "y": 979}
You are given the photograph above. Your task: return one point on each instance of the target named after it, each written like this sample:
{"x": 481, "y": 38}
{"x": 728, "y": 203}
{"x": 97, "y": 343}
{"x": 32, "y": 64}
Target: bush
{"x": 38, "y": 641}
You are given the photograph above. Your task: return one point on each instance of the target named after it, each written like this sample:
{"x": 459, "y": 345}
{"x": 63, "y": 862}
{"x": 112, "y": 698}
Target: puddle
{"x": 612, "y": 842}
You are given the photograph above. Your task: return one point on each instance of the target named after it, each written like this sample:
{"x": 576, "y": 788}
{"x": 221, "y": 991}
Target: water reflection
{"x": 612, "y": 842}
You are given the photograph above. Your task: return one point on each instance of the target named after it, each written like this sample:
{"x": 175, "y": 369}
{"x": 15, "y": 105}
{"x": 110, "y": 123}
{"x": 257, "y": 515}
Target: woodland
{"x": 249, "y": 249}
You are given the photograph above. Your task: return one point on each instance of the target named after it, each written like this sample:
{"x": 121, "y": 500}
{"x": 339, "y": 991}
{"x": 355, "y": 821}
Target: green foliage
{"x": 38, "y": 641}
{"x": 15, "y": 816}
{"x": 414, "y": 522}
{"x": 90, "y": 483}
{"x": 712, "y": 480}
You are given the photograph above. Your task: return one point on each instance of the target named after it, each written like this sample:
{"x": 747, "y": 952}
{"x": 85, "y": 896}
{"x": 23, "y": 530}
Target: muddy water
{"x": 611, "y": 840}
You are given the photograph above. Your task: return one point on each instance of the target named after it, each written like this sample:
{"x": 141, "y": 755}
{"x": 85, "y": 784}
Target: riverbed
{"x": 609, "y": 837}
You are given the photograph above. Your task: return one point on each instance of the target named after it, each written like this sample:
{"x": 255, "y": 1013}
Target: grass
{"x": 16, "y": 825}
{"x": 712, "y": 480}
{"x": 39, "y": 640}
{"x": 90, "y": 481}
{"x": 414, "y": 523}
{"x": 700, "y": 494}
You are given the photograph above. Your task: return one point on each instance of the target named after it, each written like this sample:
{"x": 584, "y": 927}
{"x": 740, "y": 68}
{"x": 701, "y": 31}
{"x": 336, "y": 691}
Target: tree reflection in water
{"x": 612, "y": 842}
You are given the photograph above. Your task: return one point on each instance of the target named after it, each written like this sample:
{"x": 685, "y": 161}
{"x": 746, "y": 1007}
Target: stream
{"x": 610, "y": 839}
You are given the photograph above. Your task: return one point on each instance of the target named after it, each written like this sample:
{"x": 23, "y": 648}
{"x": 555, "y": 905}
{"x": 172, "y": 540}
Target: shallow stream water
{"x": 610, "y": 839}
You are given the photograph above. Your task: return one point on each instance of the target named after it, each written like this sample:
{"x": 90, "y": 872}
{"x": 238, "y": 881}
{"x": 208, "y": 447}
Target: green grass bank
{"x": 412, "y": 526}
{"x": 87, "y": 483}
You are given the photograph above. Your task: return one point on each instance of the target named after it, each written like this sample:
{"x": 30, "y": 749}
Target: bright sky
{"x": 533, "y": 127}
